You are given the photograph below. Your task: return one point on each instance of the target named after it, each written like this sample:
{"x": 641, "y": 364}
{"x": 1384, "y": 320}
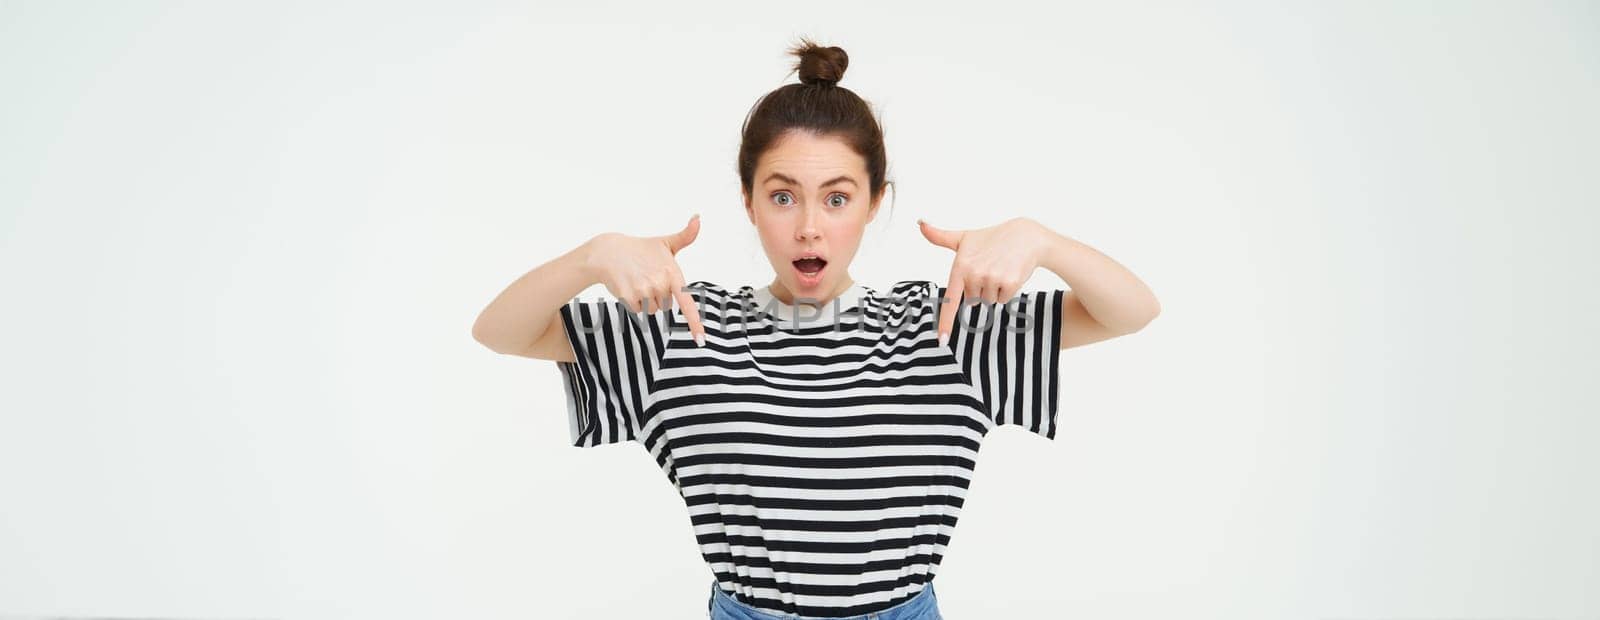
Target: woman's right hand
{"x": 643, "y": 271}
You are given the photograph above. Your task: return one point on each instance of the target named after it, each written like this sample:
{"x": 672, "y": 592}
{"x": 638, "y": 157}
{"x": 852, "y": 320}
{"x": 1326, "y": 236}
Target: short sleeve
{"x": 1009, "y": 353}
{"x": 618, "y": 354}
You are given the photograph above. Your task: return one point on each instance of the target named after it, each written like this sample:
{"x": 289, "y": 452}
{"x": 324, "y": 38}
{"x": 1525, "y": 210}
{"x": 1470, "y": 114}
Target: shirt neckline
{"x": 848, "y": 302}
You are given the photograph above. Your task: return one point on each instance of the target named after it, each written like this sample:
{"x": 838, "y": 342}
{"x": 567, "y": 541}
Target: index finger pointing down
{"x": 691, "y": 310}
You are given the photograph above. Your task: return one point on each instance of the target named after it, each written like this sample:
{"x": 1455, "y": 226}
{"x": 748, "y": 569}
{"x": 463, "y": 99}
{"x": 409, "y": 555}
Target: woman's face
{"x": 809, "y": 197}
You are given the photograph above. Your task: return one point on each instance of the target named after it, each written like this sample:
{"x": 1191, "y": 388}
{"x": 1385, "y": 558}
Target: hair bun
{"x": 819, "y": 65}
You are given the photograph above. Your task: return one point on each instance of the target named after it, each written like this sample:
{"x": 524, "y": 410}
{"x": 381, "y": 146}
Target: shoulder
{"x": 705, "y": 290}
{"x": 710, "y": 287}
{"x": 913, "y": 288}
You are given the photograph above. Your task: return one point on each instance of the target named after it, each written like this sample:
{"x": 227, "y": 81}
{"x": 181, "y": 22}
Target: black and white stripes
{"x": 618, "y": 355}
{"x": 823, "y": 468}
{"x": 1008, "y": 352}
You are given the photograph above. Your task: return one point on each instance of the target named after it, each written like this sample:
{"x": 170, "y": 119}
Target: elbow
{"x": 501, "y": 344}
{"x": 486, "y": 337}
{"x": 481, "y": 336}
{"x": 1151, "y": 311}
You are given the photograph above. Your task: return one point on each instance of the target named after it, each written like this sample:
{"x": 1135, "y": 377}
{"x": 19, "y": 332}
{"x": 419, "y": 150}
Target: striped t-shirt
{"x": 824, "y": 461}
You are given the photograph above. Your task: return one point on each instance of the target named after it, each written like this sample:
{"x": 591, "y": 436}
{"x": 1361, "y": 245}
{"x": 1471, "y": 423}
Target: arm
{"x": 524, "y": 319}
{"x": 1106, "y": 299}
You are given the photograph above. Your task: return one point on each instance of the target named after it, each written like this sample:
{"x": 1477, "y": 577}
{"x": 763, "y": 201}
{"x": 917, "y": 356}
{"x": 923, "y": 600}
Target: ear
{"x": 749, "y": 213}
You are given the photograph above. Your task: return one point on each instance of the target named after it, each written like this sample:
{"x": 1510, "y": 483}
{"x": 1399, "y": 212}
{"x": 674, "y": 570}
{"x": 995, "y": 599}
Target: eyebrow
{"x": 781, "y": 177}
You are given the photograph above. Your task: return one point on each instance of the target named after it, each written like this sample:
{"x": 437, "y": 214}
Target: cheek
{"x": 775, "y": 234}
{"x": 845, "y": 230}
{"x": 772, "y": 231}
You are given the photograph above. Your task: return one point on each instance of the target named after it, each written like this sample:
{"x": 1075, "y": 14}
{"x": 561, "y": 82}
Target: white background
{"x": 244, "y": 244}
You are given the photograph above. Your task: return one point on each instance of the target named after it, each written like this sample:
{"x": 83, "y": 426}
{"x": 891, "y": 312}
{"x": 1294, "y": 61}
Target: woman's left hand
{"x": 991, "y": 264}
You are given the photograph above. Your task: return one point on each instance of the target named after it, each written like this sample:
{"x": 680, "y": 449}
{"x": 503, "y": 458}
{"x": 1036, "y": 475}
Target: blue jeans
{"x": 923, "y": 606}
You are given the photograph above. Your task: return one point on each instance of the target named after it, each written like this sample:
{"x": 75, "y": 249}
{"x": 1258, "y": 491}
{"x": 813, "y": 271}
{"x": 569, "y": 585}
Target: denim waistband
{"x": 922, "y": 606}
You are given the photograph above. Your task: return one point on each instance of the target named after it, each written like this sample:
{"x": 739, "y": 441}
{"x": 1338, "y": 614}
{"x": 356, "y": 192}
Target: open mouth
{"x": 810, "y": 265}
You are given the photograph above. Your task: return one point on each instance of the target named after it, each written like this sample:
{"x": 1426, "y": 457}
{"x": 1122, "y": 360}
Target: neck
{"x": 782, "y": 293}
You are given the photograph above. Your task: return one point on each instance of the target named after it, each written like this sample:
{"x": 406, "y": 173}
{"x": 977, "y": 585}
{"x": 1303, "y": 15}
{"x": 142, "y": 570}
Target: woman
{"x": 823, "y": 449}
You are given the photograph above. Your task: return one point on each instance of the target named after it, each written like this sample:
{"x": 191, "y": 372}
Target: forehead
{"x": 810, "y": 158}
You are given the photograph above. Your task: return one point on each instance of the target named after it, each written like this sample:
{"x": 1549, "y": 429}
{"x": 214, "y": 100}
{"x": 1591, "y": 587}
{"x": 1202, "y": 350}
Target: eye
{"x": 790, "y": 201}
{"x": 843, "y": 199}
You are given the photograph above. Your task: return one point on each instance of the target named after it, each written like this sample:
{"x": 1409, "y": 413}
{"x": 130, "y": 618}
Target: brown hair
{"x": 816, "y": 104}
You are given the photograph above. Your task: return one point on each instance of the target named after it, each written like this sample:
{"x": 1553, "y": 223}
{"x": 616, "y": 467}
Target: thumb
{"x": 941, "y": 237}
{"x": 681, "y": 239}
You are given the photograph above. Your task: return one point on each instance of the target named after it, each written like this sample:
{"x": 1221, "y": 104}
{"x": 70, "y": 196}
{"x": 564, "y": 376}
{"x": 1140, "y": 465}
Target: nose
{"x": 808, "y": 225}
